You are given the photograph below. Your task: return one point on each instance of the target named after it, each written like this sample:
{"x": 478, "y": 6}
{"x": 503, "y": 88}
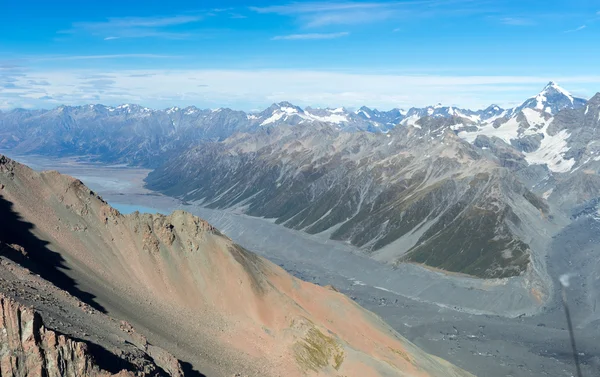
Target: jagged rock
{"x": 29, "y": 349}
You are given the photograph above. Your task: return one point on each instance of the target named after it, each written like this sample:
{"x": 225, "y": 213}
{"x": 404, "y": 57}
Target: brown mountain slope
{"x": 195, "y": 293}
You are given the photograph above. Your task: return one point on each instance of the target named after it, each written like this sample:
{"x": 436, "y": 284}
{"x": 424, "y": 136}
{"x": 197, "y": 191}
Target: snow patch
{"x": 506, "y": 131}
{"x": 385, "y": 289}
{"x": 333, "y": 118}
{"x": 551, "y": 151}
{"x": 273, "y": 118}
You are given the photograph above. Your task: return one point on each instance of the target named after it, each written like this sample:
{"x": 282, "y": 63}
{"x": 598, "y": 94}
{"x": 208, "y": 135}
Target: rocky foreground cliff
{"x": 30, "y": 349}
{"x": 188, "y": 289}
{"x": 45, "y": 331}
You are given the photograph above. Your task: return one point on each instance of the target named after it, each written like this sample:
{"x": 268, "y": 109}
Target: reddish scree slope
{"x": 194, "y": 292}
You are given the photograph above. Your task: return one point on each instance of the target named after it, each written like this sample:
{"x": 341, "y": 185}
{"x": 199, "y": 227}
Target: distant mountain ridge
{"x": 461, "y": 190}
{"x": 139, "y": 135}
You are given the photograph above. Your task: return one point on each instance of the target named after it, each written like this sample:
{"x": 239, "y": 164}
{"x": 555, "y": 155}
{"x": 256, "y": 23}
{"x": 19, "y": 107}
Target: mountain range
{"x": 137, "y": 135}
{"x": 469, "y": 191}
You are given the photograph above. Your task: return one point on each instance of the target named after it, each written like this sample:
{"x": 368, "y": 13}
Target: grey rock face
{"x": 30, "y": 349}
{"x": 137, "y": 135}
{"x": 128, "y": 133}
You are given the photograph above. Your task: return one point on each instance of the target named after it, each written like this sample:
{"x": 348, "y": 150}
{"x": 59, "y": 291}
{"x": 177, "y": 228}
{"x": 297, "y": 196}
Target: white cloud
{"x": 255, "y": 89}
{"x": 517, "y": 21}
{"x": 318, "y": 14}
{"x": 576, "y": 29}
{"x": 314, "y": 7}
{"x": 311, "y": 36}
{"x": 98, "y": 57}
{"x": 135, "y": 27}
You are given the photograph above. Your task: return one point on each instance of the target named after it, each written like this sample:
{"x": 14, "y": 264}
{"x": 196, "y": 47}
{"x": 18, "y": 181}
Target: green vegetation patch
{"x": 317, "y": 351}
{"x": 402, "y": 354}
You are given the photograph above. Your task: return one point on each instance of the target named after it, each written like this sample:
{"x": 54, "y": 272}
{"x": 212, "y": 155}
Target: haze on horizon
{"x": 248, "y": 55}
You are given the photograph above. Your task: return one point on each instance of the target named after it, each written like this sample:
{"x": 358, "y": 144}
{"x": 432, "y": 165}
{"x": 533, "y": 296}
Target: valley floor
{"x": 490, "y": 328}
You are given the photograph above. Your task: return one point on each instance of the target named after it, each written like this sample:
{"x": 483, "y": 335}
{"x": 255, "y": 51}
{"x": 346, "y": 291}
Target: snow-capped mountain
{"x": 438, "y": 111}
{"x": 283, "y": 112}
{"x": 551, "y": 100}
{"x": 388, "y": 119}
{"x": 341, "y": 118}
{"x": 136, "y": 134}
{"x": 491, "y": 113}
{"x": 527, "y": 128}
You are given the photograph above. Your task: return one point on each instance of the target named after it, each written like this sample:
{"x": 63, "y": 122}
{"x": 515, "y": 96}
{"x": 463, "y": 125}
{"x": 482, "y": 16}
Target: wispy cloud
{"x": 311, "y": 36}
{"x": 136, "y": 27}
{"x": 38, "y": 82}
{"x": 313, "y": 7}
{"x": 517, "y": 21}
{"x": 97, "y": 57}
{"x": 576, "y": 29}
{"x": 317, "y": 14}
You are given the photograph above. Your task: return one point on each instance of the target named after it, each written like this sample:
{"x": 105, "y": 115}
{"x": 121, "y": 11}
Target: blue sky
{"x": 247, "y": 55}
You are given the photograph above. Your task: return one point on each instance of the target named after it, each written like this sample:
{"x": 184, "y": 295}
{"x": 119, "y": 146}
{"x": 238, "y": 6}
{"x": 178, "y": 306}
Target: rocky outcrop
{"x": 29, "y": 349}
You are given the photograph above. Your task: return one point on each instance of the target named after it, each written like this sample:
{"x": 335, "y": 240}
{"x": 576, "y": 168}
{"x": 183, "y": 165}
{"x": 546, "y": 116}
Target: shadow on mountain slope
{"x": 189, "y": 371}
{"x": 37, "y": 257}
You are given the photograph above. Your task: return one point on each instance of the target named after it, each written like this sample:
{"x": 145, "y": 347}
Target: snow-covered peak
{"x": 191, "y": 110}
{"x": 282, "y": 111}
{"x": 552, "y": 89}
{"x": 551, "y": 100}
{"x": 364, "y": 111}
{"x": 289, "y": 110}
{"x": 126, "y": 107}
